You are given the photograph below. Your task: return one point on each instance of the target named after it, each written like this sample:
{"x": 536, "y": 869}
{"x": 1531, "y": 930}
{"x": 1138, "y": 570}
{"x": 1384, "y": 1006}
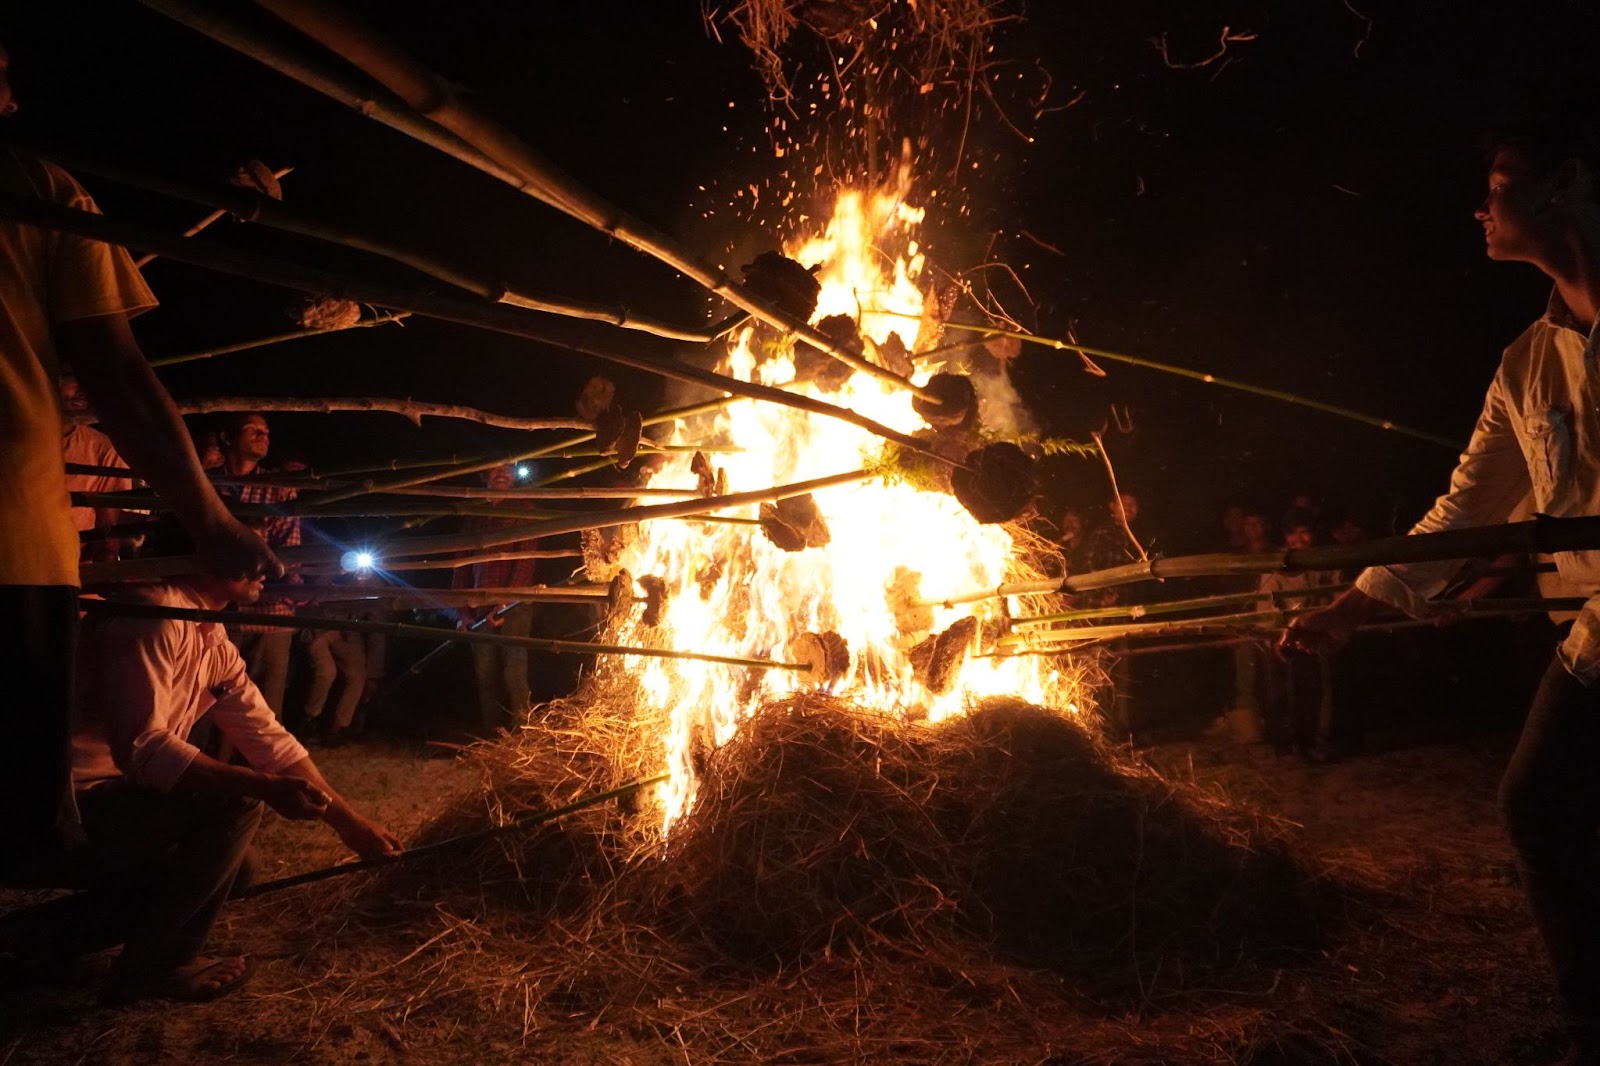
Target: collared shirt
{"x": 46, "y": 279}
{"x": 500, "y": 573}
{"x": 87, "y": 446}
{"x": 143, "y": 683}
{"x": 279, "y": 531}
{"x": 1538, "y": 437}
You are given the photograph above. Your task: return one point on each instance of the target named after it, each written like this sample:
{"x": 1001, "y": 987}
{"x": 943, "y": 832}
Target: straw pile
{"x": 823, "y": 832}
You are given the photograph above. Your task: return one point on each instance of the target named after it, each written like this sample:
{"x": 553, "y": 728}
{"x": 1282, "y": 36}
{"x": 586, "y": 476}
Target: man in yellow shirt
{"x": 66, "y": 298}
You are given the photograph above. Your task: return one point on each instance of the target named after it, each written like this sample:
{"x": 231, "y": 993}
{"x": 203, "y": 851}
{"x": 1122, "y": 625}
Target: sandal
{"x": 182, "y": 987}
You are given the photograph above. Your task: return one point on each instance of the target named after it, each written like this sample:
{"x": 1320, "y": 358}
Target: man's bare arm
{"x": 291, "y": 795}
{"x": 360, "y": 834}
{"x": 142, "y": 421}
{"x": 1327, "y": 630}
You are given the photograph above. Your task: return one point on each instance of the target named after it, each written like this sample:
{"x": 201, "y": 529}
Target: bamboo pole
{"x": 253, "y": 207}
{"x": 409, "y": 597}
{"x": 1198, "y": 603}
{"x": 1542, "y": 535}
{"x": 705, "y": 407}
{"x": 544, "y": 492}
{"x": 431, "y": 112}
{"x": 148, "y": 569}
{"x": 277, "y": 338}
{"x": 1200, "y": 375}
{"x": 510, "y": 321}
{"x": 522, "y": 821}
{"x": 455, "y": 563}
{"x": 1270, "y": 619}
{"x": 206, "y": 221}
{"x": 412, "y": 410}
{"x": 404, "y": 629}
{"x": 1230, "y": 599}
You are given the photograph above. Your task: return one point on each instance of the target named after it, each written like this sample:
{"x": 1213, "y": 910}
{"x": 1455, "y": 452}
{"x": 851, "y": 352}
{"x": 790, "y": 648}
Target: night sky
{"x": 1297, "y": 214}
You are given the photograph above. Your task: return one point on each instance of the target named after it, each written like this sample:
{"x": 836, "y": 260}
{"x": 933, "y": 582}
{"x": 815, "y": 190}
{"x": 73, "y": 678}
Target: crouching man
{"x": 168, "y": 826}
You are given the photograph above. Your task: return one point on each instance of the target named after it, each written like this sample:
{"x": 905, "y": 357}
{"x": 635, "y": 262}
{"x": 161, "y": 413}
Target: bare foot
{"x": 197, "y": 981}
{"x": 206, "y": 977}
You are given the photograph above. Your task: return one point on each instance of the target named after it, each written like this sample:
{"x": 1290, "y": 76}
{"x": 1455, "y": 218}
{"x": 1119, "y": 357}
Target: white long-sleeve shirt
{"x": 143, "y": 683}
{"x": 1538, "y": 436}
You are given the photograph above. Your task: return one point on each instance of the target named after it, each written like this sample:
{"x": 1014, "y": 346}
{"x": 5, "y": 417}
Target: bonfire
{"x": 890, "y": 789}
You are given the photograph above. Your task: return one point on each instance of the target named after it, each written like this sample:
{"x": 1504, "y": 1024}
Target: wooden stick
{"x": 1199, "y": 375}
{"x": 402, "y": 629}
{"x": 407, "y": 596}
{"x": 457, "y": 562}
{"x": 1198, "y": 603}
{"x": 413, "y": 410}
{"x": 381, "y": 319}
{"x": 547, "y": 451}
{"x": 1541, "y": 536}
{"x": 148, "y": 569}
{"x": 510, "y": 321}
{"x": 250, "y": 206}
{"x": 1271, "y": 619}
{"x": 522, "y": 821}
{"x": 200, "y": 226}
{"x": 544, "y": 492}
{"x": 490, "y": 147}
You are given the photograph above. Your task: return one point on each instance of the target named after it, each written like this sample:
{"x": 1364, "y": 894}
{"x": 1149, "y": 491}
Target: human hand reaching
{"x": 233, "y": 549}
{"x": 368, "y": 839}
{"x": 295, "y": 798}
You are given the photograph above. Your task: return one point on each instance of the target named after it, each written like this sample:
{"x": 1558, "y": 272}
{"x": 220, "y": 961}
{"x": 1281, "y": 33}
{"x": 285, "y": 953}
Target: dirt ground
{"x": 1439, "y": 965}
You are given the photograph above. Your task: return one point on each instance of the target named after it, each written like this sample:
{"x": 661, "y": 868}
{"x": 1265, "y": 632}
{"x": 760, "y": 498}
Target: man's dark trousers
{"x": 1550, "y": 799}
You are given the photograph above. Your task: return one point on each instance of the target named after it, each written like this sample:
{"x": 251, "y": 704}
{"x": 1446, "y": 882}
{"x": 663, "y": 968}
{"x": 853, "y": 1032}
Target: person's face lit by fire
{"x": 1298, "y": 537}
{"x": 211, "y": 455}
{"x": 251, "y": 441}
{"x": 1254, "y": 531}
{"x": 244, "y": 590}
{"x": 501, "y": 477}
{"x": 73, "y": 399}
{"x": 1125, "y": 508}
{"x": 1525, "y": 213}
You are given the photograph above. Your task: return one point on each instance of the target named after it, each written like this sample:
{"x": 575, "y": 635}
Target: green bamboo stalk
{"x": 148, "y": 569}
{"x": 1270, "y": 619}
{"x": 427, "y": 109}
{"x": 277, "y": 338}
{"x": 463, "y": 311}
{"x": 262, "y": 210}
{"x": 1198, "y": 603}
{"x": 405, "y": 629}
{"x": 523, "y": 821}
{"x": 1209, "y": 379}
{"x": 547, "y": 451}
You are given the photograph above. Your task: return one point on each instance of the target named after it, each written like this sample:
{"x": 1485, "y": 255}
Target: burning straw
{"x": 1004, "y": 862}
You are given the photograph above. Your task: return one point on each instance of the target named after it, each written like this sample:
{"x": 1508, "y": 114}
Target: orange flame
{"x": 733, "y": 592}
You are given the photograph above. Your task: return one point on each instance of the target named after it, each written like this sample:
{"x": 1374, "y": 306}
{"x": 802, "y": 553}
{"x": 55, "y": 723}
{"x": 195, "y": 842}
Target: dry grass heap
{"x": 884, "y": 866}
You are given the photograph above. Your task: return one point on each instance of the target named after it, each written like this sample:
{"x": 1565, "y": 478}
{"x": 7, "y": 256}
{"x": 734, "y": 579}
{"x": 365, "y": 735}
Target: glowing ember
{"x": 732, "y": 591}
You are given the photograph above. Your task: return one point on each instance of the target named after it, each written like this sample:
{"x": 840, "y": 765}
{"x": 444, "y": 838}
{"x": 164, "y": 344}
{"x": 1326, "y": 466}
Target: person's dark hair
{"x": 168, "y": 539}
{"x": 1548, "y": 128}
{"x": 233, "y": 422}
{"x": 1299, "y": 518}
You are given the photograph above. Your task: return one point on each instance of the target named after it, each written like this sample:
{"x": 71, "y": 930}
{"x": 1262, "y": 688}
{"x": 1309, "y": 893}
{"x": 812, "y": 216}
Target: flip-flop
{"x": 185, "y": 989}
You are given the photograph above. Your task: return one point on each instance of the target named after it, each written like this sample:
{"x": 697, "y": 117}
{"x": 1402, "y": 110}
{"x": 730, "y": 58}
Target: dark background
{"x": 1296, "y": 214}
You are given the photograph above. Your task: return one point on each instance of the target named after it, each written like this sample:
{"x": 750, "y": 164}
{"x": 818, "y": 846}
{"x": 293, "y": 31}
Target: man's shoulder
{"x": 21, "y": 172}
{"x": 85, "y": 444}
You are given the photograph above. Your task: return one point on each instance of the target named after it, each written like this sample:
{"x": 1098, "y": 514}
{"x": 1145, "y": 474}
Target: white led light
{"x": 357, "y": 560}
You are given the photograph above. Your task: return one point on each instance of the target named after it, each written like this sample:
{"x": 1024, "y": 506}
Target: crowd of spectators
{"x": 1305, "y": 706}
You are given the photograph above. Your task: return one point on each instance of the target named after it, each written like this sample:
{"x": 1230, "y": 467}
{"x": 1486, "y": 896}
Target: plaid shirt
{"x": 499, "y": 574}
{"x": 279, "y": 531}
